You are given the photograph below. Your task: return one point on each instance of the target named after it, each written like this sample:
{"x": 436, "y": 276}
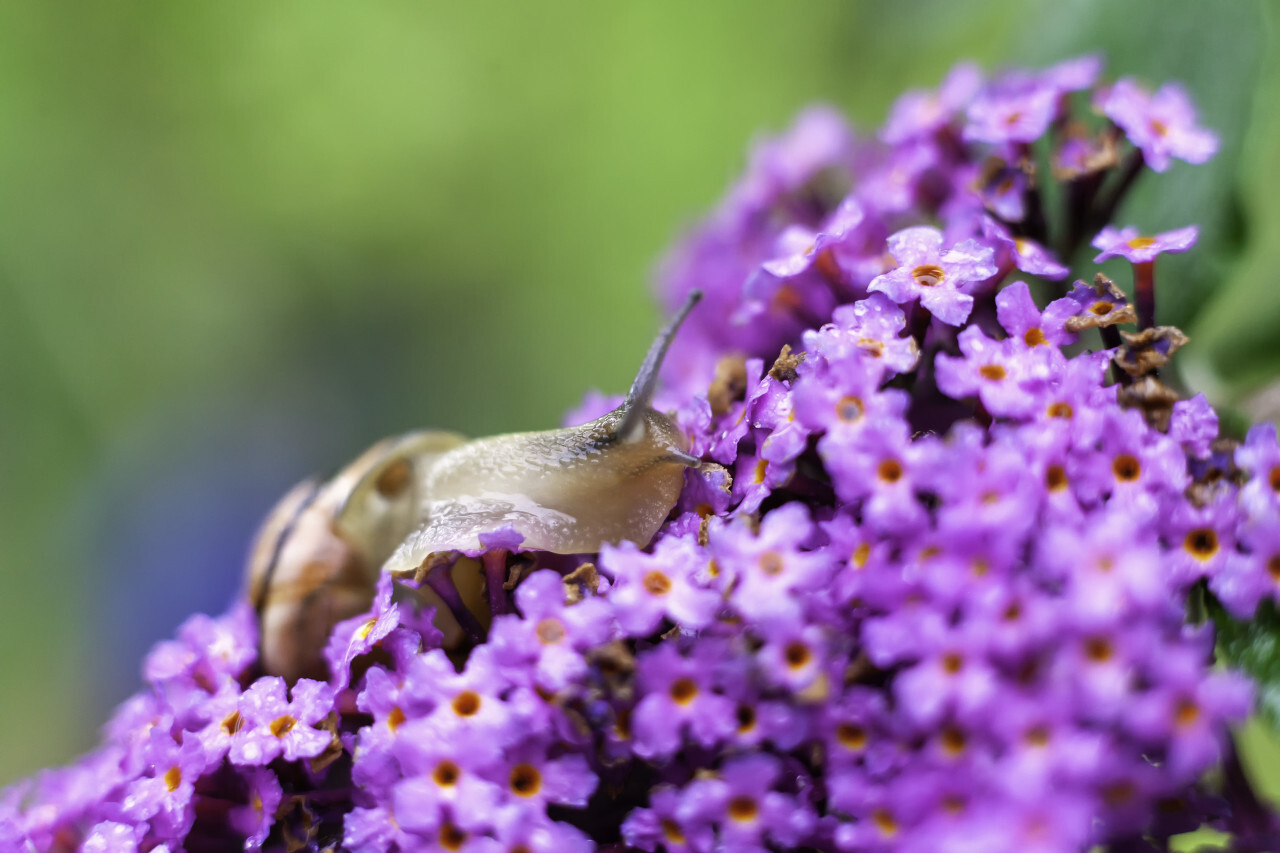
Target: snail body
{"x": 317, "y": 557}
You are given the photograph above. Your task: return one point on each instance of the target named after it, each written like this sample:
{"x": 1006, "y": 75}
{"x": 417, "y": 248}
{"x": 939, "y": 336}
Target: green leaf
{"x": 1254, "y": 647}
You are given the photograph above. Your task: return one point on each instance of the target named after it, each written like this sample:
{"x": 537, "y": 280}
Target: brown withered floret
{"x": 784, "y": 367}
{"x": 1153, "y": 398}
{"x": 1149, "y": 350}
{"x": 582, "y": 580}
{"x": 1102, "y": 155}
{"x": 1109, "y": 308}
{"x": 616, "y": 665}
{"x": 1216, "y": 474}
{"x": 729, "y": 384}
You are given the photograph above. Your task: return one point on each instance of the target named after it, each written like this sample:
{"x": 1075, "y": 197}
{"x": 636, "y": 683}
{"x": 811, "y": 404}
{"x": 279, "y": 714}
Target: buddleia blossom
{"x": 928, "y": 589}
{"x": 1161, "y": 125}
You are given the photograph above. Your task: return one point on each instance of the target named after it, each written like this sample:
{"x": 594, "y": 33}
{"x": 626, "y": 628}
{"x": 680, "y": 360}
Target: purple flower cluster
{"x": 928, "y": 590}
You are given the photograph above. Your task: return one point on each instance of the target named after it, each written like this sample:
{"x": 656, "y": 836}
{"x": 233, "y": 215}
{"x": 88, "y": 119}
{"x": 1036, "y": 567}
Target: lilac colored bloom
{"x": 746, "y": 809}
{"x": 520, "y": 831}
{"x": 772, "y": 410}
{"x": 1019, "y": 107}
{"x": 112, "y": 837}
{"x": 1001, "y": 116}
{"x": 439, "y": 774}
{"x": 164, "y": 799}
{"x": 1200, "y": 538}
{"x": 361, "y": 634}
{"x": 255, "y": 819}
{"x": 1095, "y": 306}
{"x": 872, "y": 327}
{"x": 1194, "y": 424}
{"x": 841, "y": 395}
{"x": 952, "y": 677}
{"x": 804, "y": 248}
{"x": 1259, "y": 457}
{"x": 670, "y": 822}
{"x": 1163, "y": 126}
{"x": 1022, "y": 253}
{"x": 938, "y": 279}
{"x": 274, "y": 726}
{"x": 769, "y": 570}
{"x": 895, "y": 183}
{"x": 1179, "y": 711}
{"x": 462, "y": 701}
{"x": 1003, "y": 190}
{"x": 733, "y": 426}
{"x": 551, "y": 637}
{"x": 1109, "y": 577}
{"x": 1004, "y": 377}
{"x": 1128, "y": 244}
{"x": 878, "y": 467}
{"x": 923, "y": 113}
{"x": 1250, "y": 577}
{"x": 534, "y": 779}
{"x": 755, "y": 478}
{"x": 651, "y": 587}
{"x": 1020, "y": 317}
{"x": 679, "y": 695}
{"x": 793, "y": 657}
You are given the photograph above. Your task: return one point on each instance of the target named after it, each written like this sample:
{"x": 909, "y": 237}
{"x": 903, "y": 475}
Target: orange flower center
{"x": 929, "y": 275}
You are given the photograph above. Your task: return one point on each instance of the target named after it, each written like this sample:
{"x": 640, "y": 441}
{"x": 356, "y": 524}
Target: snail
{"x": 317, "y": 556}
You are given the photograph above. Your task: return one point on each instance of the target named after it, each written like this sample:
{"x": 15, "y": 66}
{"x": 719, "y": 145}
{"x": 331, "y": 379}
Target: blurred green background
{"x": 241, "y": 241}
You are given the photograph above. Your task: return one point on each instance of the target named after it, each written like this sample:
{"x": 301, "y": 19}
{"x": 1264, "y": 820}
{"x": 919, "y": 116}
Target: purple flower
{"x": 533, "y": 779}
{"x": 1181, "y": 711}
{"x": 768, "y": 570}
{"x": 1162, "y": 126}
{"x": 772, "y": 410}
{"x": 1020, "y": 317}
{"x": 1194, "y": 424}
{"x": 1200, "y": 538}
{"x": 1001, "y": 115}
{"x": 1021, "y": 252}
{"x": 679, "y": 695}
{"x": 1005, "y": 377}
{"x": 467, "y": 701}
{"x": 551, "y": 637}
{"x": 274, "y": 726}
{"x": 923, "y": 113}
{"x": 664, "y": 584}
{"x": 803, "y": 248}
{"x": 1019, "y": 107}
{"x": 939, "y": 280}
{"x": 1251, "y": 576}
{"x": 111, "y": 836}
{"x": 164, "y": 799}
{"x": 359, "y": 635}
{"x": 1259, "y": 457}
{"x": 255, "y": 819}
{"x": 746, "y": 809}
{"x": 871, "y": 327}
{"x": 1128, "y": 244}
{"x": 516, "y": 830}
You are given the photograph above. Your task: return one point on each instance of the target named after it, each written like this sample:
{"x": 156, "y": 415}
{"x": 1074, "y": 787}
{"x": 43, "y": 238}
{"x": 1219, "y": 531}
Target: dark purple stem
{"x": 1144, "y": 293}
{"x": 495, "y": 575}
{"x": 1111, "y": 340}
{"x": 440, "y": 581}
{"x": 1034, "y": 223}
{"x": 1104, "y": 210}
